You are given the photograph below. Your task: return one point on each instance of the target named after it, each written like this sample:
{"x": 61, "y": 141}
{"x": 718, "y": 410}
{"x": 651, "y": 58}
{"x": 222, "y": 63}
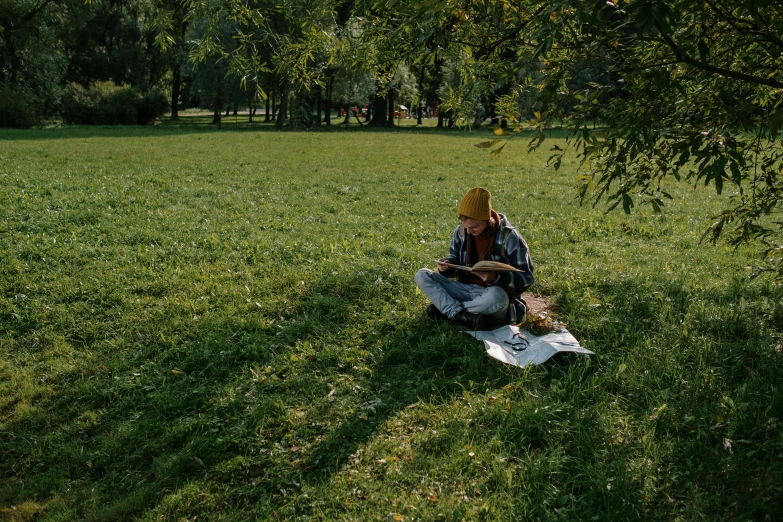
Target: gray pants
{"x": 451, "y": 297}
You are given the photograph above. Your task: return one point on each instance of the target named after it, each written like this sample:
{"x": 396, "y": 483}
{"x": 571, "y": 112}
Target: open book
{"x": 485, "y": 266}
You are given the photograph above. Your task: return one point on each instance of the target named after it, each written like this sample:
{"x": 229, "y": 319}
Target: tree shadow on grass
{"x": 421, "y": 362}
{"x": 640, "y": 432}
{"x": 210, "y": 424}
{"x": 156, "y": 416}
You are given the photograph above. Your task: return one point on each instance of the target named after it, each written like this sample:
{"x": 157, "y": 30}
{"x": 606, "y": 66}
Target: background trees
{"x": 32, "y": 60}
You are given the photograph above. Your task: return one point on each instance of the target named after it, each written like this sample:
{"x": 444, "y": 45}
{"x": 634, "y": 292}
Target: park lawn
{"x": 223, "y": 325}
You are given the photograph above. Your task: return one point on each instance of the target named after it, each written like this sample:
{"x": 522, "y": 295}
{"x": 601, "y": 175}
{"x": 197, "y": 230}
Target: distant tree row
{"x": 49, "y": 46}
{"x": 296, "y": 63}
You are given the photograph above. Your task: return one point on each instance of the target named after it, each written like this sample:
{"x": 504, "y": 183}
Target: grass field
{"x": 204, "y": 325}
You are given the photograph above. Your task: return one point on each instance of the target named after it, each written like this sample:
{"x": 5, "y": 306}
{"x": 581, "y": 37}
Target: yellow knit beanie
{"x": 476, "y": 204}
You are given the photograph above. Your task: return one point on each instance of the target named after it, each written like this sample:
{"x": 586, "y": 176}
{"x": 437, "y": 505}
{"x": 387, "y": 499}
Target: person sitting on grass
{"x": 477, "y": 298}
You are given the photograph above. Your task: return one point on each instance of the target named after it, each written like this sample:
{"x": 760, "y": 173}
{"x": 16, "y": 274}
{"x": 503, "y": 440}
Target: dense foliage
{"x": 32, "y": 61}
{"x": 46, "y": 45}
{"x": 107, "y": 104}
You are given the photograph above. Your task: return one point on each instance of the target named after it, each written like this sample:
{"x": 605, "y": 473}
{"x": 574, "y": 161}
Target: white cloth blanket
{"x": 530, "y": 349}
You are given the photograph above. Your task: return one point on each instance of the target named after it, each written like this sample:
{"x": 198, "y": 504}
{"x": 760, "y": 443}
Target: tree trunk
{"x": 318, "y": 108}
{"x": 418, "y": 109}
{"x": 328, "y": 108}
{"x": 283, "y": 108}
{"x": 236, "y": 110}
{"x": 440, "y": 118}
{"x": 391, "y": 106}
{"x": 274, "y": 107}
{"x": 175, "y": 87}
{"x": 380, "y": 107}
{"x": 218, "y": 105}
{"x": 266, "y": 108}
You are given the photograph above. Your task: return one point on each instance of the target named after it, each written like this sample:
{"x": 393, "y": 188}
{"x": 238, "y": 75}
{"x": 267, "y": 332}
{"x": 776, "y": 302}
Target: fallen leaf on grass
{"x": 177, "y": 372}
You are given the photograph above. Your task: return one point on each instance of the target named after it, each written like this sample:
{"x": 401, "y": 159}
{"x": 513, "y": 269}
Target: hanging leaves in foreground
{"x": 497, "y": 151}
{"x": 487, "y": 144}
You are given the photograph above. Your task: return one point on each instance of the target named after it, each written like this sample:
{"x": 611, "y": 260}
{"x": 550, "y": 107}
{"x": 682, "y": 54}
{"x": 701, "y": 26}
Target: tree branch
{"x": 642, "y": 66}
{"x": 486, "y": 49}
{"x": 682, "y": 57}
{"x": 734, "y": 22}
{"x": 29, "y": 16}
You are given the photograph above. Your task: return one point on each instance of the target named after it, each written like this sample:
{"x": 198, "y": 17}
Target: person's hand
{"x": 442, "y": 266}
{"x": 487, "y": 277}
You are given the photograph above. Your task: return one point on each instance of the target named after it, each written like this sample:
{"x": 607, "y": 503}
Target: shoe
{"x": 468, "y": 321}
{"x": 434, "y": 314}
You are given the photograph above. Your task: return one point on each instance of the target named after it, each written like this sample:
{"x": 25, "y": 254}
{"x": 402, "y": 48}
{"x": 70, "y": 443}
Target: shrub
{"x": 18, "y": 107}
{"x": 105, "y": 103}
{"x": 77, "y": 104}
{"x": 153, "y": 105}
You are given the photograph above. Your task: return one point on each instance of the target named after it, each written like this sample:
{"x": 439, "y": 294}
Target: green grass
{"x": 224, "y": 325}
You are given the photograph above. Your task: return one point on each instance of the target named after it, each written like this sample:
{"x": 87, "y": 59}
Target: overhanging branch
{"x": 682, "y": 57}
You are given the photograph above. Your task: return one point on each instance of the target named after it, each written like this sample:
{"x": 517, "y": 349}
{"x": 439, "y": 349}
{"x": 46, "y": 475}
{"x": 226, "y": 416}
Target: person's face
{"x": 474, "y": 226}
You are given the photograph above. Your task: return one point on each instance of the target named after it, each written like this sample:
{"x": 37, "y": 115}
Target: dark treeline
{"x": 131, "y": 61}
